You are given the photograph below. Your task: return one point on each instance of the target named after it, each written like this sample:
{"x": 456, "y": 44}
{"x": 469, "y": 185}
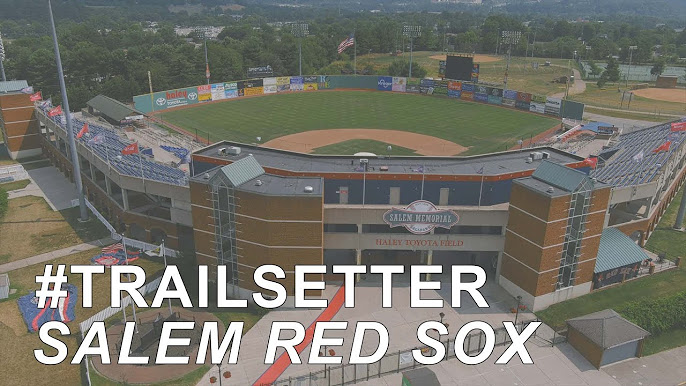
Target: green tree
{"x": 658, "y": 67}
{"x": 612, "y": 72}
{"x": 401, "y": 67}
{"x": 595, "y": 69}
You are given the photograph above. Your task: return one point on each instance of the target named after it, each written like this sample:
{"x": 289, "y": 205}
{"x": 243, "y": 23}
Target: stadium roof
{"x": 12, "y": 86}
{"x": 617, "y": 250}
{"x": 111, "y": 108}
{"x": 242, "y": 171}
{"x": 491, "y": 164}
{"x": 607, "y": 328}
{"x": 559, "y": 176}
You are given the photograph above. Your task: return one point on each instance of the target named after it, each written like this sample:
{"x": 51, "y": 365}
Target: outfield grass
{"x": 19, "y": 367}
{"x": 664, "y": 238}
{"x": 480, "y": 127}
{"x": 368, "y": 145}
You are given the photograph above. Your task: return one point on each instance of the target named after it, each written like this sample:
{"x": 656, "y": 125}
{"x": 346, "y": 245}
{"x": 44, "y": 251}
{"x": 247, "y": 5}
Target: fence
{"x": 402, "y": 360}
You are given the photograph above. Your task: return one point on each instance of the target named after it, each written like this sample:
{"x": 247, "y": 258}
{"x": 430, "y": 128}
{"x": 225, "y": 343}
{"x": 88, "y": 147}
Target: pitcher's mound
{"x": 307, "y": 141}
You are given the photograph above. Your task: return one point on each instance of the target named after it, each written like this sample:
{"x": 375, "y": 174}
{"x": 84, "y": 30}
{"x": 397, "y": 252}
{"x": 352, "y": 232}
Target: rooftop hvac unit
{"x": 258, "y": 183}
{"x": 546, "y": 155}
{"x": 550, "y": 189}
{"x": 537, "y": 156}
{"x": 364, "y": 161}
{"x": 383, "y": 168}
{"x": 309, "y": 189}
{"x": 234, "y": 150}
{"x": 529, "y": 160}
{"x": 221, "y": 151}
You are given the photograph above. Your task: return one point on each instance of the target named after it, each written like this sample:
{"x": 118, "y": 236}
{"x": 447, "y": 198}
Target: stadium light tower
{"x": 67, "y": 114}
{"x": 510, "y": 38}
{"x": 300, "y": 30}
{"x": 2, "y": 59}
{"x": 631, "y": 54}
{"x": 412, "y": 31}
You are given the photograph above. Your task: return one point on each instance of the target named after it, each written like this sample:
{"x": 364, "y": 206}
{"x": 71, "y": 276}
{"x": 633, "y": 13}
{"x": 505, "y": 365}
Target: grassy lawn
{"x": 357, "y": 145}
{"x": 15, "y": 185}
{"x": 481, "y": 127}
{"x": 652, "y": 287}
{"x": 627, "y": 115}
{"x": 191, "y": 378}
{"x": 31, "y": 227}
{"x": 665, "y": 341}
{"x": 18, "y": 363}
{"x": 609, "y": 96}
{"x": 665, "y": 238}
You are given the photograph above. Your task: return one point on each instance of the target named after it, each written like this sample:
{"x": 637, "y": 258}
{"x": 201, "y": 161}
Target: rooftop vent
{"x": 221, "y": 151}
{"x": 383, "y": 168}
{"x": 234, "y": 150}
{"x": 550, "y": 190}
{"x": 309, "y": 189}
{"x": 206, "y": 176}
{"x": 258, "y": 183}
{"x": 529, "y": 160}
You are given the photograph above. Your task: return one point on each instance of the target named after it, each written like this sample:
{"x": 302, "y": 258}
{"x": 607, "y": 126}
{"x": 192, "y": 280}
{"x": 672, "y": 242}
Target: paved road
{"x": 45, "y": 257}
{"x": 577, "y": 87}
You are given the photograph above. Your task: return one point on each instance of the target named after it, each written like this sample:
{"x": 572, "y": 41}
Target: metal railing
{"x": 399, "y": 361}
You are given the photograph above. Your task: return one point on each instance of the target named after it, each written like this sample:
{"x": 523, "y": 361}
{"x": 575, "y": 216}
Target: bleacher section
{"x": 109, "y": 150}
{"x": 618, "y": 166}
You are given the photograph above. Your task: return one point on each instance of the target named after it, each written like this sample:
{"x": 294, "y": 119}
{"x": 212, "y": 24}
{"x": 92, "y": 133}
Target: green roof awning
{"x": 13, "y": 86}
{"x": 559, "y": 176}
{"x": 111, "y": 108}
{"x": 617, "y": 250}
{"x": 241, "y": 171}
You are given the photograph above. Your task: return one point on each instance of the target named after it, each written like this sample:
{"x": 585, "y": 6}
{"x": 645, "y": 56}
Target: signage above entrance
{"x": 421, "y": 217}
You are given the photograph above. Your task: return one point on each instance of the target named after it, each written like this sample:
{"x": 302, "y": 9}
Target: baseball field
{"x": 413, "y": 123}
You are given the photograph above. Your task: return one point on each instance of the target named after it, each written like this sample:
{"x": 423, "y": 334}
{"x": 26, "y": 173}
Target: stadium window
{"x": 394, "y": 196}
{"x": 340, "y": 228}
{"x": 443, "y": 196}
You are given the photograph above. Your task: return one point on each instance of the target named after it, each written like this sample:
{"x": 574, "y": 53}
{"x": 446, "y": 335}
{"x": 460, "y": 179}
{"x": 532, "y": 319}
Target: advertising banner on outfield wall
{"x": 252, "y": 91}
{"x": 475, "y": 73}
{"x": 440, "y": 87}
{"x": 553, "y": 106}
{"x": 454, "y": 93}
{"x": 204, "y": 93}
{"x": 231, "y": 90}
{"x": 283, "y": 84}
{"x": 311, "y": 83}
{"x": 454, "y": 85}
{"x": 426, "y": 86}
{"x": 174, "y": 98}
{"x": 399, "y": 84}
{"x": 524, "y": 97}
{"x": 509, "y": 98}
{"x": 538, "y": 98}
{"x": 522, "y": 105}
{"x": 218, "y": 92}
{"x": 384, "y": 83}
{"x": 269, "y": 85}
{"x": 481, "y": 93}
{"x": 495, "y": 96}
{"x": 537, "y": 107}
{"x": 467, "y": 95}
{"x": 297, "y": 83}
{"x": 324, "y": 83}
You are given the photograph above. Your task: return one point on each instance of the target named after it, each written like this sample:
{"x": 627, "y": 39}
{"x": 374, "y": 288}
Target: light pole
{"x": 631, "y": 54}
{"x": 2, "y": 59}
{"x": 67, "y": 114}
{"x": 300, "y": 30}
{"x": 207, "y": 63}
{"x": 412, "y": 31}
{"x": 509, "y": 38}
{"x": 519, "y": 302}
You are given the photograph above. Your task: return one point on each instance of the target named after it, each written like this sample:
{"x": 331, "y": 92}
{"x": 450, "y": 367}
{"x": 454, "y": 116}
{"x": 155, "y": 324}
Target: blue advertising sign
{"x": 467, "y": 87}
{"x": 385, "y": 83}
{"x": 510, "y": 94}
{"x": 454, "y": 93}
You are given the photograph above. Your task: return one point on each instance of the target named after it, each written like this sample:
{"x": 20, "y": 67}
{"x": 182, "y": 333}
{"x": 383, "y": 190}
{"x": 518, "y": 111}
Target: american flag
{"x": 350, "y": 41}
{"x": 113, "y": 248}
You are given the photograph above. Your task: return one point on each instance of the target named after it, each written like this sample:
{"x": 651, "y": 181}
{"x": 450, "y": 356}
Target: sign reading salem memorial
{"x": 421, "y": 217}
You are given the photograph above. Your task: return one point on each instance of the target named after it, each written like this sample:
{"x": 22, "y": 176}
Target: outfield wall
{"x": 448, "y": 88}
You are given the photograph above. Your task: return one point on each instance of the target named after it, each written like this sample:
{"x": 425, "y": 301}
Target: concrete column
{"x": 93, "y": 169}
{"x": 497, "y": 267}
{"x": 108, "y": 185}
{"x": 429, "y": 261}
{"x": 358, "y": 260}
{"x": 125, "y": 198}
{"x": 682, "y": 212}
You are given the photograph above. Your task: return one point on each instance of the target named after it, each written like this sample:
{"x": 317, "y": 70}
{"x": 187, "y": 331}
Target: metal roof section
{"x": 12, "y": 86}
{"x": 496, "y": 164}
{"x": 607, "y": 328}
{"x": 111, "y": 107}
{"x": 559, "y": 176}
{"x": 241, "y": 171}
{"x": 617, "y": 250}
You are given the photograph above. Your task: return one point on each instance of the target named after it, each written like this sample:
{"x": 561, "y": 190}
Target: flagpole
{"x": 164, "y": 256}
{"x": 70, "y": 133}
{"x": 140, "y": 159}
{"x": 481, "y": 189}
{"x": 422, "y": 194}
{"x": 133, "y": 304}
{"x": 355, "y": 46}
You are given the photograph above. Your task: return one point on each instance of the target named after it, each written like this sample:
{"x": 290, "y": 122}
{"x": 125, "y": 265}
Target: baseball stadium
{"x": 368, "y": 170}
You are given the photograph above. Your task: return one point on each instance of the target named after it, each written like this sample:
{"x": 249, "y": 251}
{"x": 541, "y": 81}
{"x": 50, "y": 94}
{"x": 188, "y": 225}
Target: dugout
{"x": 604, "y": 337}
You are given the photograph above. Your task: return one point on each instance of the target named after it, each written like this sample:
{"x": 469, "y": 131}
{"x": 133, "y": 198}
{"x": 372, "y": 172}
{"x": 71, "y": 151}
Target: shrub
{"x": 657, "y": 315}
{"x": 3, "y": 202}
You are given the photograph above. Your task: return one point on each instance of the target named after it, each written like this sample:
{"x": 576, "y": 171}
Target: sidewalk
{"x": 45, "y": 257}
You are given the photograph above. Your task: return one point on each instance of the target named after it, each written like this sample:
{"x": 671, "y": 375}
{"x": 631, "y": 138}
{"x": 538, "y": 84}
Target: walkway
{"x": 50, "y": 184}
{"x": 45, "y": 257}
{"x": 665, "y": 368}
{"x": 578, "y": 87}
